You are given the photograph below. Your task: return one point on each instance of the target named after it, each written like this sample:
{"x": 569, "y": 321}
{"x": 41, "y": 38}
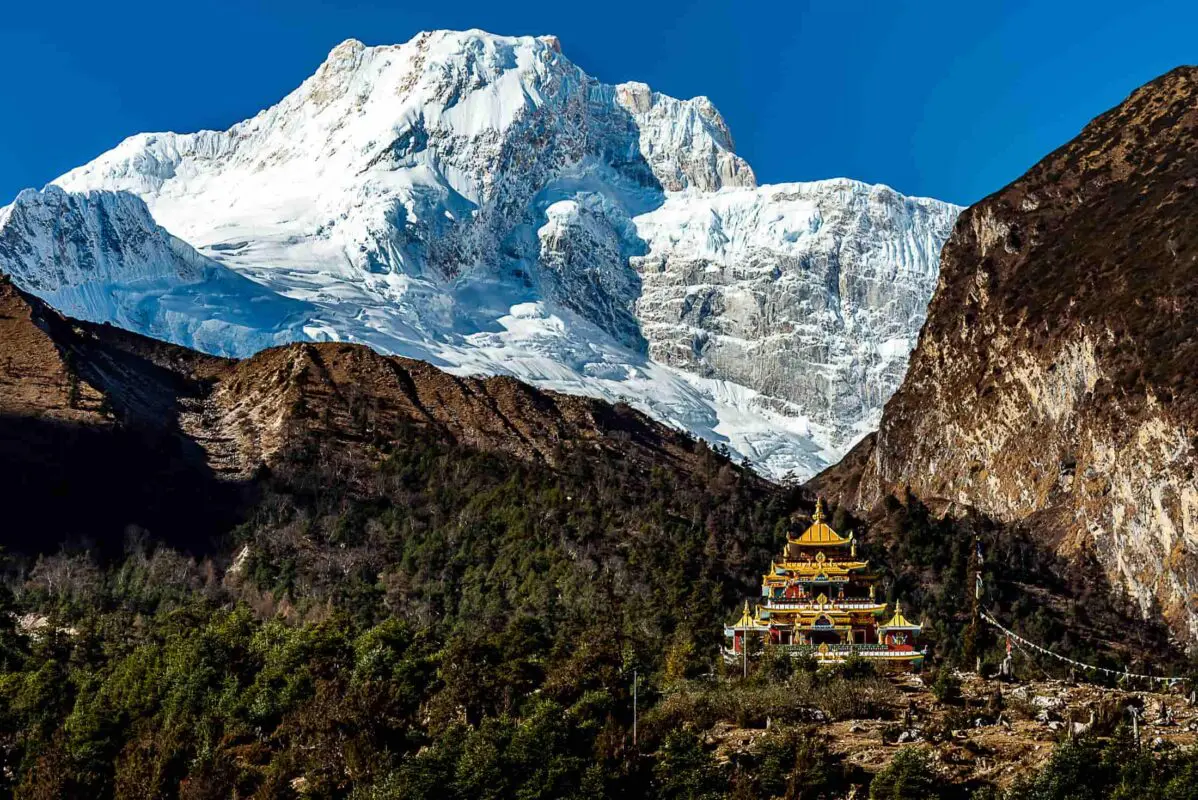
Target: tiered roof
{"x": 748, "y": 621}
{"x": 899, "y": 622}
{"x": 825, "y": 565}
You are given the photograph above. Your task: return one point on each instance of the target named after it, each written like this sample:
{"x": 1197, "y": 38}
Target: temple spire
{"x": 819, "y": 534}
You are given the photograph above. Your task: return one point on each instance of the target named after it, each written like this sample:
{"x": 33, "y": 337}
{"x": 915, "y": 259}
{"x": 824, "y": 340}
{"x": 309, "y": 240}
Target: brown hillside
{"x": 104, "y": 429}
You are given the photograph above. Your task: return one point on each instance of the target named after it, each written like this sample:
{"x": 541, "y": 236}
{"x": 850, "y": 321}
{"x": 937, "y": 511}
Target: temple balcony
{"x": 836, "y": 653}
{"x": 839, "y": 651}
{"x": 863, "y": 604}
{"x": 845, "y": 650}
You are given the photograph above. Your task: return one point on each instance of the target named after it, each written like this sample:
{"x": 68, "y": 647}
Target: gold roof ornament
{"x": 748, "y": 620}
{"x": 899, "y": 622}
{"x": 820, "y": 534}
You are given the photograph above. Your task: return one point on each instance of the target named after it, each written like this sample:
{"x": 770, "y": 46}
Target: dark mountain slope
{"x": 348, "y": 477}
{"x": 1054, "y": 382}
{"x": 87, "y": 443}
{"x": 103, "y": 430}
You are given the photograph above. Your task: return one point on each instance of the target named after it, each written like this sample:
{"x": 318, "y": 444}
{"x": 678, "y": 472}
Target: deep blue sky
{"x": 947, "y": 99}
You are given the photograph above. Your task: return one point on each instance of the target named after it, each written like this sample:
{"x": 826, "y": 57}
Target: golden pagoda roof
{"x": 899, "y": 621}
{"x": 820, "y": 534}
{"x": 747, "y": 620}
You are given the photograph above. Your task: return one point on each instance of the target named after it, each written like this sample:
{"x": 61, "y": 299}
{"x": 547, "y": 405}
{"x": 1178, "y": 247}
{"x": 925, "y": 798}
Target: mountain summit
{"x": 481, "y": 203}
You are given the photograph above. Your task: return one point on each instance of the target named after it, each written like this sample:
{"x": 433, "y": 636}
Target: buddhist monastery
{"x": 820, "y": 599}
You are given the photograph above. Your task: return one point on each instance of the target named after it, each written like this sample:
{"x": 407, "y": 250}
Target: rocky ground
{"x": 977, "y": 739}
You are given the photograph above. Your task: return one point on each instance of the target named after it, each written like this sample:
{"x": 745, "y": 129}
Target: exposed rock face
{"x": 225, "y": 419}
{"x": 350, "y": 394}
{"x": 581, "y": 240}
{"x": 35, "y": 377}
{"x": 1054, "y": 382}
{"x": 686, "y": 143}
{"x": 808, "y": 292}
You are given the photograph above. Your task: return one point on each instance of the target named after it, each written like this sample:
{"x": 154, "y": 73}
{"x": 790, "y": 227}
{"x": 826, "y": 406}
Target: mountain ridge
{"x": 103, "y": 413}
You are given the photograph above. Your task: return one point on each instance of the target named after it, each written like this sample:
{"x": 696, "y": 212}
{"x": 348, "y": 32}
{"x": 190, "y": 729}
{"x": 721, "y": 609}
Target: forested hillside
{"x": 370, "y": 579}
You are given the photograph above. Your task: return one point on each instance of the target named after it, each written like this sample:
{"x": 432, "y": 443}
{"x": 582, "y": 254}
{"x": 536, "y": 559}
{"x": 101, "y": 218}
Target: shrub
{"x": 947, "y": 686}
{"x": 909, "y": 776}
{"x": 685, "y": 771}
{"x": 855, "y": 667}
{"x": 791, "y": 762}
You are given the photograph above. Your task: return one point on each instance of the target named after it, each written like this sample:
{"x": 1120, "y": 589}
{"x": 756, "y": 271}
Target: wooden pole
{"x": 972, "y": 645}
{"x": 634, "y": 709}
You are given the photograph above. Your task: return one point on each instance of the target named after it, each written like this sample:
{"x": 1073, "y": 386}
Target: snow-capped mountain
{"x": 480, "y": 202}
{"x": 100, "y": 256}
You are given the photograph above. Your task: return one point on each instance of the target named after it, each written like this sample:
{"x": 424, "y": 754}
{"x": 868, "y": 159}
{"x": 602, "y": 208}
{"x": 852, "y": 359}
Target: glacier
{"x": 99, "y": 256}
{"x": 481, "y": 203}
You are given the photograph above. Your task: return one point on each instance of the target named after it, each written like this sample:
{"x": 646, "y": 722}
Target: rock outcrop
{"x": 1054, "y": 384}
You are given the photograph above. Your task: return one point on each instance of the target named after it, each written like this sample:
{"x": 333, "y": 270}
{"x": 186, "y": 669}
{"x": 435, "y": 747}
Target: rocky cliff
{"x": 1054, "y": 383}
{"x": 810, "y": 293}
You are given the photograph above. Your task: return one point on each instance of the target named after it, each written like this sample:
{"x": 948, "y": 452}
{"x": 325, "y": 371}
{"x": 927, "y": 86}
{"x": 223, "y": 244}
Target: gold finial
{"x": 746, "y": 608}
{"x": 818, "y": 516}
{"x": 898, "y": 606}
{"x": 852, "y": 545}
